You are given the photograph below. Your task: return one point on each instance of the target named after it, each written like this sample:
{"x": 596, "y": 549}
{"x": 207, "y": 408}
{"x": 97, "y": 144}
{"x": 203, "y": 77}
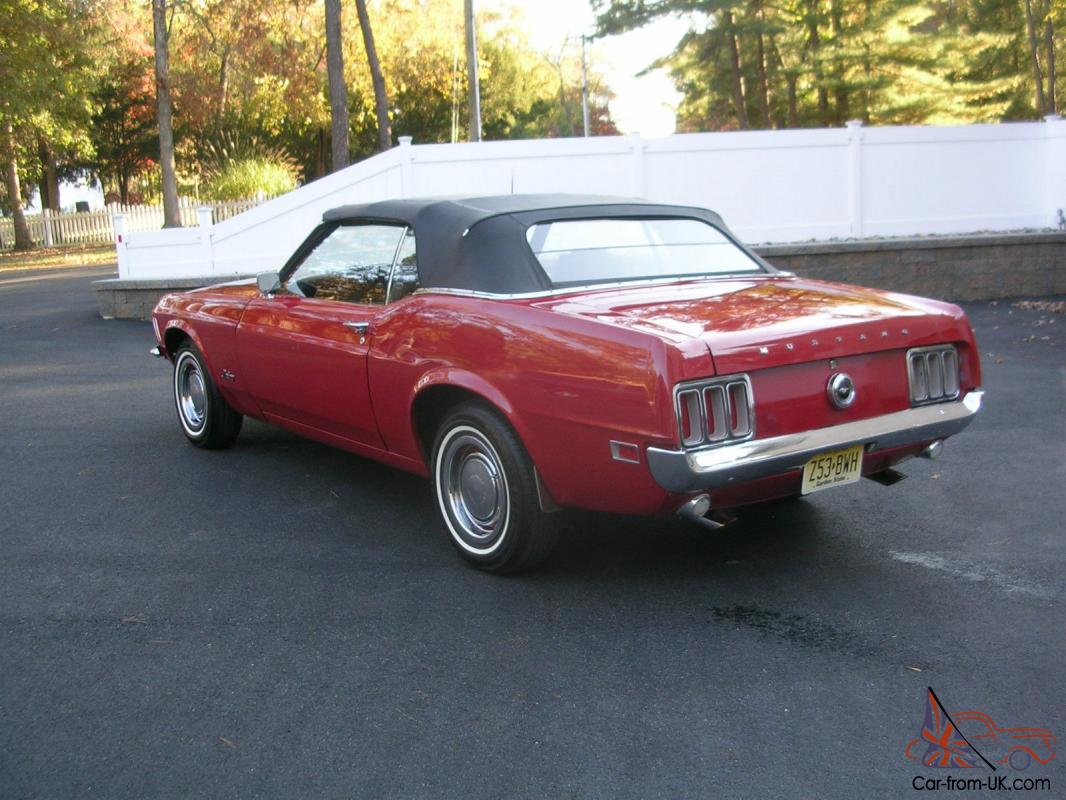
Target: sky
{"x": 643, "y": 105}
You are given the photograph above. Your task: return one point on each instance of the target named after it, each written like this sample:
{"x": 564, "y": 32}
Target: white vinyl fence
{"x": 770, "y": 186}
{"x": 51, "y": 229}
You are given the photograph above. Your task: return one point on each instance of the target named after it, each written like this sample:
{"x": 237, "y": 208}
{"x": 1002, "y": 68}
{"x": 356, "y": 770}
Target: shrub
{"x": 234, "y": 166}
{"x": 245, "y": 177}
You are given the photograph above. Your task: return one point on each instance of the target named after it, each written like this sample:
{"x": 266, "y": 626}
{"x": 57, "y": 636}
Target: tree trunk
{"x": 1049, "y": 40}
{"x": 760, "y": 65}
{"x": 867, "y": 67}
{"x": 338, "y": 89}
{"x": 49, "y": 174}
{"x": 171, "y": 209}
{"x": 840, "y": 90}
{"x": 124, "y": 186}
{"x": 320, "y": 153}
{"x": 814, "y": 42}
{"x": 739, "y": 105}
{"x": 793, "y": 111}
{"x": 381, "y": 100}
{"x": 14, "y": 191}
{"x": 223, "y": 85}
{"x": 1030, "y": 25}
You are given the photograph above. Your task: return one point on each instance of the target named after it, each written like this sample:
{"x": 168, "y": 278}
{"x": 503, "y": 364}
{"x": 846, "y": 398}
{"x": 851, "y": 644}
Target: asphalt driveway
{"x": 285, "y": 620}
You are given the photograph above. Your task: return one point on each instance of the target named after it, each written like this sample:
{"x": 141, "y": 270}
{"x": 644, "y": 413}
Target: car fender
{"x": 190, "y": 331}
{"x": 234, "y": 395}
{"x": 464, "y": 379}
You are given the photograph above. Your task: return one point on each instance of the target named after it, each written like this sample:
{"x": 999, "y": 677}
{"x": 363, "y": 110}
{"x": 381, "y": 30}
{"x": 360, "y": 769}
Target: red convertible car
{"x": 533, "y": 352}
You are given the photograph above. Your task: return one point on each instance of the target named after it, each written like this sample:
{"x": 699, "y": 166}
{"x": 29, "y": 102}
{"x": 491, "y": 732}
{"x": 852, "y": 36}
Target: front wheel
{"x": 206, "y": 418}
{"x": 486, "y": 490}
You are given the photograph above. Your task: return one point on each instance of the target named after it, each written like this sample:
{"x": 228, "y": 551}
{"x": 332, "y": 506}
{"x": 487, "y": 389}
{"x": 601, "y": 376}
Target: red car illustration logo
{"x": 973, "y": 739}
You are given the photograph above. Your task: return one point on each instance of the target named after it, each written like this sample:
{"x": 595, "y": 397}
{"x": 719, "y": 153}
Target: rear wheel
{"x": 486, "y": 490}
{"x": 206, "y": 418}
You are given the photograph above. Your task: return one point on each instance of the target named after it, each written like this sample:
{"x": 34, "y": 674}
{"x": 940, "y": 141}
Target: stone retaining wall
{"x": 135, "y": 299}
{"x": 957, "y": 268}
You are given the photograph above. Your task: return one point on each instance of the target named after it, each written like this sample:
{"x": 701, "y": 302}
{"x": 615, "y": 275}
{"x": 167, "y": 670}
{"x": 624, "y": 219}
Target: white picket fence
{"x": 51, "y": 229}
{"x": 770, "y": 186}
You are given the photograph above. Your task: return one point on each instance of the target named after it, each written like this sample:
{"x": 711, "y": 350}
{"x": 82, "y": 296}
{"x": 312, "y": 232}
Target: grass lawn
{"x": 53, "y": 257}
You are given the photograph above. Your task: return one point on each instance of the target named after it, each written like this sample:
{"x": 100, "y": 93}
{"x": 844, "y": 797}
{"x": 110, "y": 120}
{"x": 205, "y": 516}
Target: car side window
{"x": 351, "y": 265}
{"x": 405, "y": 275}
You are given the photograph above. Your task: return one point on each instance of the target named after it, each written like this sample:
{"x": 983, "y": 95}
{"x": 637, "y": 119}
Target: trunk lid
{"x": 763, "y": 321}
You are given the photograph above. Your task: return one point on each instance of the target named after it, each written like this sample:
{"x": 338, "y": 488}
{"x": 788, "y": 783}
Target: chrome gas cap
{"x": 841, "y": 390}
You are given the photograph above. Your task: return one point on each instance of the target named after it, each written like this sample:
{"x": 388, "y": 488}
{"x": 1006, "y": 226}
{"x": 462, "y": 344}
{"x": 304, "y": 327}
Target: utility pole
{"x": 584, "y": 89}
{"x": 471, "y": 72}
{"x": 456, "y": 87}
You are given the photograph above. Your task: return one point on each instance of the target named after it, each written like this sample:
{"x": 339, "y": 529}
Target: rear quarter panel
{"x": 568, "y": 386}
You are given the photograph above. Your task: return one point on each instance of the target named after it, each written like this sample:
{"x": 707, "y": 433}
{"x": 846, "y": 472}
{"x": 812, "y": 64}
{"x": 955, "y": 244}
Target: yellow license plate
{"x": 834, "y": 468}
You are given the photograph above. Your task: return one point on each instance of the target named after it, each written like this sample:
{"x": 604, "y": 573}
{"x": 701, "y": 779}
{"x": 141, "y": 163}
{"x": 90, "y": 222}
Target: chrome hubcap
{"x": 474, "y": 488}
{"x": 191, "y": 392}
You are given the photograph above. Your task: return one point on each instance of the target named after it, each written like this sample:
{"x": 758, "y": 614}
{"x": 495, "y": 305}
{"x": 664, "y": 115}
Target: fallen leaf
{"x": 1054, "y": 306}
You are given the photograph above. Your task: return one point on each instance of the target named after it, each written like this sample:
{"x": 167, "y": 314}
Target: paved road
{"x": 284, "y": 620}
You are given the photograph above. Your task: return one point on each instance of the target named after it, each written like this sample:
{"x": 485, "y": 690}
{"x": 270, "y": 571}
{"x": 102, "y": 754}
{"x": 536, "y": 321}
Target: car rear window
{"x": 581, "y": 251}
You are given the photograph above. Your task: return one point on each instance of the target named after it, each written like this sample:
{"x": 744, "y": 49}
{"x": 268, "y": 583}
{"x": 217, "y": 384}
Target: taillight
{"x": 715, "y": 411}
{"x": 740, "y": 411}
{"x": 691, "y": 417}
{"x": 933, "y": 373}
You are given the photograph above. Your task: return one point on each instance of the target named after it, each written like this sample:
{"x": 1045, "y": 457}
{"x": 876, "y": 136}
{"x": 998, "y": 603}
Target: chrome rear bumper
{"x": 715, "y": 467}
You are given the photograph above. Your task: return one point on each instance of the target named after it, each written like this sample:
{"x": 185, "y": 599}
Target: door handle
{"x": 361, "y": 328}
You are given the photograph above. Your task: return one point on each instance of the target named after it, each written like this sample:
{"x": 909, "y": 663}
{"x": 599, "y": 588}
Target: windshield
{"x": 582, "y": 251}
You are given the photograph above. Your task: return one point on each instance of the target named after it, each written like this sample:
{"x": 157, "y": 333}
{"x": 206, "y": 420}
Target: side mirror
{"x": 267, "y": 282}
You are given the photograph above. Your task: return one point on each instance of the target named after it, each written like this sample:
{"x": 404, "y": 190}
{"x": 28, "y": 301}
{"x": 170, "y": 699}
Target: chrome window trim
{"x": 593, "y": 287}
{"x": 701, "y": 386}
{"x": 395, "y": 259}
{"x": 939, "y": 350}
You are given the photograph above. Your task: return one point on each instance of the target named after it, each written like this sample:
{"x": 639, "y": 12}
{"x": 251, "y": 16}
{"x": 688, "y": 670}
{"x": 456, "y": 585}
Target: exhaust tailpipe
{"x": 696, "y": 510}
{"x": 933, "y": 450}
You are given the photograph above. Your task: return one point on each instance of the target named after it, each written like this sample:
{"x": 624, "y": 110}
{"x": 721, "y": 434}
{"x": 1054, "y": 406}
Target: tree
{"x": 338, "y": 89}
{"x": 259, "y": 70}
{"x": 381, "y": 100}
{"x": 23, "y": 241}
{"x": 123, "y": 131}
{"x": 821, "y": 62}
{"x": 49, "y": 186}
{"x": 44, "y": 99}
{"x": 161, "y": 34}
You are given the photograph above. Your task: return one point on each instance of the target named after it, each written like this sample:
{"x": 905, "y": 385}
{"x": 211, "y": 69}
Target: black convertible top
{"x": 479, "y": 243}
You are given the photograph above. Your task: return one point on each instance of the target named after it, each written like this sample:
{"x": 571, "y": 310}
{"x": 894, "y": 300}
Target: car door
{"x": 304, "y": 348}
